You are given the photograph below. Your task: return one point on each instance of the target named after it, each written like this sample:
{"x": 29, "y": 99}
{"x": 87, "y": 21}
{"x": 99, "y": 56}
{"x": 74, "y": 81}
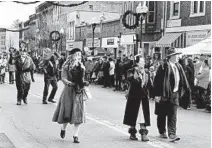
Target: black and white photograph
{"x": 105, "y": 74}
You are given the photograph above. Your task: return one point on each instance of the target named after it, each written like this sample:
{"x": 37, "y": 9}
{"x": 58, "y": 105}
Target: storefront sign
{"x": 195, "y": 37}
{"x": 111, "y": 42}
{"x": 128, "y": 39}
{"x": 89, "y": 42}
{"x": 174, "y": 23}
{"x": 70, "y": 45}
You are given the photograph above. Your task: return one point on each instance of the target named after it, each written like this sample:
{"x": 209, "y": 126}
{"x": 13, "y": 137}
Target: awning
{"x": 167, "y": 40}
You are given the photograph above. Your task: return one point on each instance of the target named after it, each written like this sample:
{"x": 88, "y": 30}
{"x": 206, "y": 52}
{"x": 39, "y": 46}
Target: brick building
{"x": 2, "y": 39}
{"x": 113, "y": 35}
{"x": 51, "y": 17}
{"x": 188, "y": 22}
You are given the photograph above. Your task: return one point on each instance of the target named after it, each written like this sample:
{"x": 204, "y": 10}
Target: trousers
{"x": 46, "y": 89}
{"x": 170, "y": 117}
{"x": 22, "y": 90}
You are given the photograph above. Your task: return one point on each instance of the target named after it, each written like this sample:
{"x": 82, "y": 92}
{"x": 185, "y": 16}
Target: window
{"x": 151, "y": 12}
{"x": 3, "y": 37}
{"x": 197, "y": 8}
{"x": 174, "y": 9}
{"x": 2, "y": 42}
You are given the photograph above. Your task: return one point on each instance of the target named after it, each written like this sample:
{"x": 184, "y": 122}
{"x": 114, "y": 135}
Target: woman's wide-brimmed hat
{"x": 73, "y": 51}
{"x": 172, "y": 51}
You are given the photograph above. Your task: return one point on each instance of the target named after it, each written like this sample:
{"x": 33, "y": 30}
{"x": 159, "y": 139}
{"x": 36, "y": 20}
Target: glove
{"x": 157, "y": 99}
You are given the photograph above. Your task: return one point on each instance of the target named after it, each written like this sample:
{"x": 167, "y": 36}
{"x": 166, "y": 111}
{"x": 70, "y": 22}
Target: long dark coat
{"x": 136, "y": 96}
{"x": 164, "y": 83}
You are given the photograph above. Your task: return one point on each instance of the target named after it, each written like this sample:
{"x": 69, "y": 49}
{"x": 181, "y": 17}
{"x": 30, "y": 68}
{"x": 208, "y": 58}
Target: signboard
{"x": 194, "y": 37}
{"x": 89, "y": 42}
{"x": 174, "y": 23}
{"x": 110, "y": 41}
{"x": 70, "y": 45}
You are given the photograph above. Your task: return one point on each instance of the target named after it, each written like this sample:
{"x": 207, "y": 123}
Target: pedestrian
{"x": 2, "y": 69}
{"x": 106, "y": 67}
{"x": 61, "y": 62}
{"x": 32, "y": 71}
{"x": 3, "y": 65}
{"x": 202, "y": 84}
{"x": 50, "y": 75}
{"x": 170, "y": 84}
{"x": 11, "y": 69}
{"x": 111, "y": 72}
{"x": 70, "y": 108}
{"x": 118, "y": 74}
{"x": 23, "y": 66}
{"x": 137, "y": 99}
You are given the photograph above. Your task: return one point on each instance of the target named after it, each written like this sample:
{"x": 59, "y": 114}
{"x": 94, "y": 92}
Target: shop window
{"x": 151, "y": 12}
{"x": 175, "y": 9}
{"x": 197, "y": 8}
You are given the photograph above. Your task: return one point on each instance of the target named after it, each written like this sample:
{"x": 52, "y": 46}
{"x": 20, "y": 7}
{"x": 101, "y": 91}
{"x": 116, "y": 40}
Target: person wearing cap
{"x": 70, "y": 108}
{"x": 106, "y": 69}
{"x": 170, "y": 84}
{"x": 23, "y": 66}
{"x": 50, "y": 75}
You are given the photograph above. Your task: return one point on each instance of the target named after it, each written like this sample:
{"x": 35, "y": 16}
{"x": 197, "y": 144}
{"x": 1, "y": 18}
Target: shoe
{"x": 44, "y": 102}
{"x": 62, "y": 134}
{"x": 164, "y": 136}
{"x": 174, "y": 138}
{"x": 76, "y": 140}
{"x": 132, "y": 132}
{"x": 19, "y": 103}
{"x": 144, "y": 136}
{"x": 52, "y": 101}
{"x": 25, "y": 102}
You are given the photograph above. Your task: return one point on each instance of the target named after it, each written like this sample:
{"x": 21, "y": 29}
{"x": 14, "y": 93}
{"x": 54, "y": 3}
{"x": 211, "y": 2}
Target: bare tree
{"x": 15, "y": 24}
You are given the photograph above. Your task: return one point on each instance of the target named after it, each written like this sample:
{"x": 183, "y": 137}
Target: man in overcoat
{"x": 50, "y": 75}
{"x": 23, "y": 66}
{"x": 170, "y": 84}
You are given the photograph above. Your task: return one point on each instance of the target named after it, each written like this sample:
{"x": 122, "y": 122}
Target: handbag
{"x": 87, "y": 94}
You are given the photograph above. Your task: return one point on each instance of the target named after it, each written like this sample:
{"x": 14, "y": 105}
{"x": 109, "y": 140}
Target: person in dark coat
{"x": 60, "y": 64}
{"x": 137, "y": 97}
{"x": 118, "y": 75}
{"x": 106, "y": 67}
{"x": 50, "y": 76}
{"x": 23, "y": 66}
{"x": 11, "y": 69}
{"x": 170, "y": 84}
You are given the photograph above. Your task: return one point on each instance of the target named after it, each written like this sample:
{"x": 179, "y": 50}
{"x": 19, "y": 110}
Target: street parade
{"x": 93, "y": 76}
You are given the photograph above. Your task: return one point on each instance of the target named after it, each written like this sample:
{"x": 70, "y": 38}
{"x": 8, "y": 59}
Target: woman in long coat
{"x": 11, "y": 69}
{"x": 70, "y": 108}
{"x": 137, "y": 99}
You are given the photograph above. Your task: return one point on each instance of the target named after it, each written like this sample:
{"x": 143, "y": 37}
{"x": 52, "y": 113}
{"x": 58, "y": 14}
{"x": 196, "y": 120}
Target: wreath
{"x": 133, "y": 26}
{"x": 55, "y": 36}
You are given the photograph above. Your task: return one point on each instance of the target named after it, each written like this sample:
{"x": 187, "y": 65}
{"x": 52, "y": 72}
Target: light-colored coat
{"x": 203, "y": 78}
{"x": 3, "y": 64}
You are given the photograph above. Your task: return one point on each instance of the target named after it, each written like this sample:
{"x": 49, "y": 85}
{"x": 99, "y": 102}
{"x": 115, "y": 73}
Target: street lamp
{"x": 61, "y": 34}
{"x": 93, "y": 25}
{"x": 142, "y": 11}
{"x": 102, "y": 18}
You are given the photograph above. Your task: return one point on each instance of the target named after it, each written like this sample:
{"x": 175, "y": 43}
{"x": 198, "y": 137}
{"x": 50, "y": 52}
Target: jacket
{"x": 203, "y": 78}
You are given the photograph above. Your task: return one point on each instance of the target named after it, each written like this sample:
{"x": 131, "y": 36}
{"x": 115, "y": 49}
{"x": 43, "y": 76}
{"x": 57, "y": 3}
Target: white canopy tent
{"x": 203, "y": 47}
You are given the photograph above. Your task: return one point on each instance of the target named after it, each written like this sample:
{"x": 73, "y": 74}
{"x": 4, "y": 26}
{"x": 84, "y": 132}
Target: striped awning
{"x": 167, "y": 40}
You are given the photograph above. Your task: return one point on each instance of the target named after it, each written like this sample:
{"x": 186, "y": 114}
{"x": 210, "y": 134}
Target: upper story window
{"x": 151, "y": 12}
{"x": 197, "y": 8}
{"x": 174, "y": 9}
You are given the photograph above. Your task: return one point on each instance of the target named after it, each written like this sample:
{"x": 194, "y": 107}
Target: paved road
{"x": 30, "y": 126}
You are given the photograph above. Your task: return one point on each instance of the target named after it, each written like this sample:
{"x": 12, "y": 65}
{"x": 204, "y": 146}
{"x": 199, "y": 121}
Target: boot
{"x": 143, "y": 131}
{"x": 133, "y": 132}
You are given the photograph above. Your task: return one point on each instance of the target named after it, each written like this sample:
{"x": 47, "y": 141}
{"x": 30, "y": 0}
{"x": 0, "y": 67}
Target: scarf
{"x": 183, "y": 84}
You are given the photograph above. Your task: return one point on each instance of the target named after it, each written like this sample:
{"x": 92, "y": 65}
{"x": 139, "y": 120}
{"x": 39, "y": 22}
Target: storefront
{"x": 182, "y": 37}
{"x": 89, "y": 44}
{"x": 110, "y": 45}
{"x": 128, "y": 42}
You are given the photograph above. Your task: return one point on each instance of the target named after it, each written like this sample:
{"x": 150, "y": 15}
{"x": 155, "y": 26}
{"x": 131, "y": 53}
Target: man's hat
{"x": 73, "y": 51}
{"x": 172, "y": 51}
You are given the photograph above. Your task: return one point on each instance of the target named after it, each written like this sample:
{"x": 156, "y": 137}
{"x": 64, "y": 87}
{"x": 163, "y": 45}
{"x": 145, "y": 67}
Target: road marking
{"x": 153, "y": 141}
